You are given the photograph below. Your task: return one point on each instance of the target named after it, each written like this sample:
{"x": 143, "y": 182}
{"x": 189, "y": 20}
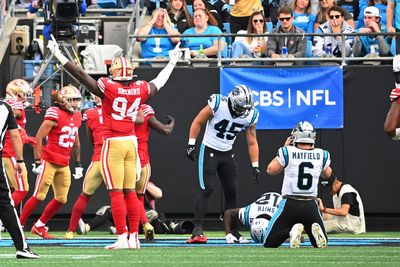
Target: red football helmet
{"x": 121, "y": 69}
{"x": 19, "y": 89}
{"x": 69, "y": 98}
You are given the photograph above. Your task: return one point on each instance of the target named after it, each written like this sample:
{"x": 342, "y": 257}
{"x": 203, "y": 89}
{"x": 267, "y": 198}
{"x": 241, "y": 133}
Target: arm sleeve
{"x": 11, "y": 121}
{"x": 348, "y": 198}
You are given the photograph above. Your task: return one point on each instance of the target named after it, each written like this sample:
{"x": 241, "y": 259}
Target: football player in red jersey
{"x": 142, "y": 133}
{"x": 60, "y": 127}
{"x": 17, "y": 93}
{"x": 121, "y": 98}
{"x": 392, "y": 122}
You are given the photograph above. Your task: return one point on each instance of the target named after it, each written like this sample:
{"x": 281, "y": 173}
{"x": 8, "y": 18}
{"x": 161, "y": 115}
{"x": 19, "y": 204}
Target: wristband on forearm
{"x": 20, "y": 161}
{"x": 397, "y": 135}
{"x": 78, "y": 164}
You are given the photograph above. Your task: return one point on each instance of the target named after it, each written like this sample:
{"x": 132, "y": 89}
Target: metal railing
{"x": 343, "y": 60}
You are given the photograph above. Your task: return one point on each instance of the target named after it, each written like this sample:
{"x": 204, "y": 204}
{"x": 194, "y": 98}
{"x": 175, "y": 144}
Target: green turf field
{"x": 236, "y": 255}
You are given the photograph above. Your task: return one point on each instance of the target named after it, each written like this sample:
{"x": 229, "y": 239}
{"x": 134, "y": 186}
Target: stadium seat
{"x": 190, "y": 9}
{"x": 269, "y": 26}
{"x": 393, "y": 47}
{"x": 107, "y": 3}
{"x": 308, "y": 49}
{"x": 227, "y": 53}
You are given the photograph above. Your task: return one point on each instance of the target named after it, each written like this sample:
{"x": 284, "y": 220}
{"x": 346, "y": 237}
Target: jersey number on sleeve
{"x": 120, "y": 106}
{"x": 223, "y": 131}
{"x": 305, "y": 179}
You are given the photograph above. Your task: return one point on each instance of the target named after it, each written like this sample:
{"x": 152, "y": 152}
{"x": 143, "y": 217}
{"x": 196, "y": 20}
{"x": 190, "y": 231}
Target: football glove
{"x": 256, "y": 175}
{"x": 37, "y": 168}
{"x": 395, "y": 94}
{"x": 175, "y": 54}
{"x": 191, "y": 152}
{"x": 78, "y": 173}
{"x": 231, "y": 239}
{"x": 170, "y": 119}
{"x": 396, "y": 70}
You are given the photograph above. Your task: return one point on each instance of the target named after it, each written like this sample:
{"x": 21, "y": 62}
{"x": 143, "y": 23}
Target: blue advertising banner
{"x": 286, "y": 96}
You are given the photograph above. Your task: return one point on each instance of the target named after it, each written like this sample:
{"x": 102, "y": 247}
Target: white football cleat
{"x": 319, "y": 235}
{"x": 243, "y": 240}
{"x": 295, "y": 235}
{"x": 26, "y": 254}
{"x": 121, "y": 243}
{"x": 81, "y": 229}
{"x": 133, "y": 241}
{"x": 231, "y": 239}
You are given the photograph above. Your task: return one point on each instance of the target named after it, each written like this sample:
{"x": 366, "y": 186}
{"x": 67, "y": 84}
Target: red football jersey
{"x": 62, "y": 137}
{"x": 8, "y": 149}
{"x": 142, "y": 133}
{"x": 94, "y": 120}
{"x": 120, "y": 105}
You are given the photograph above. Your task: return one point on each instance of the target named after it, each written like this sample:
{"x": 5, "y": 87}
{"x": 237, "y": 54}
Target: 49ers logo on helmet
{"x": 121, "y": 69}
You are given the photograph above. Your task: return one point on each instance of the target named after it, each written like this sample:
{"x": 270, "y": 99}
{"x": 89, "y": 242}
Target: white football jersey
{"x": 222, "y": 129}
{"x": 264, "y": 207}
{"x": 302, "y": 169}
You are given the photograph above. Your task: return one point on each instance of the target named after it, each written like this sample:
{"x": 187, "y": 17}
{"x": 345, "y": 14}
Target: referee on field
{"x": 8, "y": 214}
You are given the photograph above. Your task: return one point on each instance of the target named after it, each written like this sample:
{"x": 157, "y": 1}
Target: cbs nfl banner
{"x": 286, "y": 96}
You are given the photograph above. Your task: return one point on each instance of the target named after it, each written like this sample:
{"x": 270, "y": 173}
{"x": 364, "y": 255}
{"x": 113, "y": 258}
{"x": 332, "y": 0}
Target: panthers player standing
{"x": 121, "y": 99}
{"x": 60, "y": 127}
{"x": 17, "y": 93}
{"x": 302, "y": 165}
{"x": 264, "y": 207}
{"x": 142, "y": 132}
{"x": 93, "y": 177}
{"x": 392, "y": 122}
{"x": 225, "y": 117}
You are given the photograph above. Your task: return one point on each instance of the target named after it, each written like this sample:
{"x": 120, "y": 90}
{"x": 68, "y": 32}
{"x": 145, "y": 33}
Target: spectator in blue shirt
{"x": 379, "y": 4}
{"x": 157, "y": 46}
{"x": 377, "y": 43}
{"x": 303, "y": 17}
{"x": 393, "y": 20}
{"x": 204, "y": 23}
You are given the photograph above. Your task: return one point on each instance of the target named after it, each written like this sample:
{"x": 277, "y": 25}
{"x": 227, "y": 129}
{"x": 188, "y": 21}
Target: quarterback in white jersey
{"x": 303, "y": 165}
{"x": 225, "y": 117}
{"x": 264, "y": 207}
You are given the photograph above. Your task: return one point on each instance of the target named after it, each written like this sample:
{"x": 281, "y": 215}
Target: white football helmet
{"x": 122, "y": 69}
{"x": 304, "y": 132}
{"x": 241, "y": 100}
{"x": 19, "y": 90}
{"x": 257, "y": 229}
{"x": 69, "y": 98}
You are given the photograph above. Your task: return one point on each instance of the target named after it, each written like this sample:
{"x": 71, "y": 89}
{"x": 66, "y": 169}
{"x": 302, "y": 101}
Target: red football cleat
{"x": 41, "y": 231}
{"x": 197, "y": 239}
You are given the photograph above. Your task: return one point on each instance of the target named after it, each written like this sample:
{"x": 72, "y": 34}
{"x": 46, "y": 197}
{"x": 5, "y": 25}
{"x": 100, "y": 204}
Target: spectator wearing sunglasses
{"x": 248, "y": 45}
{"x": 295, "y": 46}
{"x": 323, "y": 15}
{"x": 333, "y": 45}
{"x": 378, "y": 43}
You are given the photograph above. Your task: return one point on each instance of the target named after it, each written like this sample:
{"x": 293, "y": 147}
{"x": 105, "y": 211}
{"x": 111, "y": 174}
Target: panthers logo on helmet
{"x": 257, "y": 229}
{"x": 304, "y": 132}
{"x": 241, "y": 100}
{"x": 19, "y": 89}
{"x": 121, "y": 69}
{"x": 69, "y": 98}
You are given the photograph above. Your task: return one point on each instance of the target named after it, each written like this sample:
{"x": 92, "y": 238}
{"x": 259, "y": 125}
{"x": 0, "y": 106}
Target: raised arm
{"x": 161, "y": 127}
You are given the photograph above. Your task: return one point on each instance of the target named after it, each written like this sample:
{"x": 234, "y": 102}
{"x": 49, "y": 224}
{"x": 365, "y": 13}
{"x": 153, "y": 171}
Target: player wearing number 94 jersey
{"x": 60, "y": 126}
{"x": 121, "y": 98}
{"x": 225, "y": 117}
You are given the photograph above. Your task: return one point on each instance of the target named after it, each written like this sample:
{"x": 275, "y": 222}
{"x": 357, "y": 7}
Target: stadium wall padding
{"x": 361, "y": 152}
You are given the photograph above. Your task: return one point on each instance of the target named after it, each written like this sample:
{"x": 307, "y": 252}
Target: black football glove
{"x": 191, "y": 152}
{"x": 170, "y": 119}
{"x": 255, "y": 178}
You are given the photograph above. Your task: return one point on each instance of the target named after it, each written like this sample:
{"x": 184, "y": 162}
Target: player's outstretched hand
{"x": 175, "y": 54}
{"x": 396, "y": 69}
{"x": 191, "y": 152}
{"x": 170, "y": 119}
{"x": 78, "y": 173}
{"x": 53, "y": 46}
{"x": 255, "y": 178}
{"x": 37, "y": 168}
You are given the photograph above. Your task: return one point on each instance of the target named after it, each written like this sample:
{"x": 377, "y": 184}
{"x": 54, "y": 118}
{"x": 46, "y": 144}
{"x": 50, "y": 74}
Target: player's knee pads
{"x": 41, "y": 196}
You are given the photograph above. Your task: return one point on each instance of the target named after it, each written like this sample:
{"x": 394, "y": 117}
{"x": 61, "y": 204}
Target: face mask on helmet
{"x": 19, "y": 90}
{"x": 241, "y": 100}
{"x": 69, "y": 98}
{"x": 304, "y": 132}
{"x": 121, "y": 69}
